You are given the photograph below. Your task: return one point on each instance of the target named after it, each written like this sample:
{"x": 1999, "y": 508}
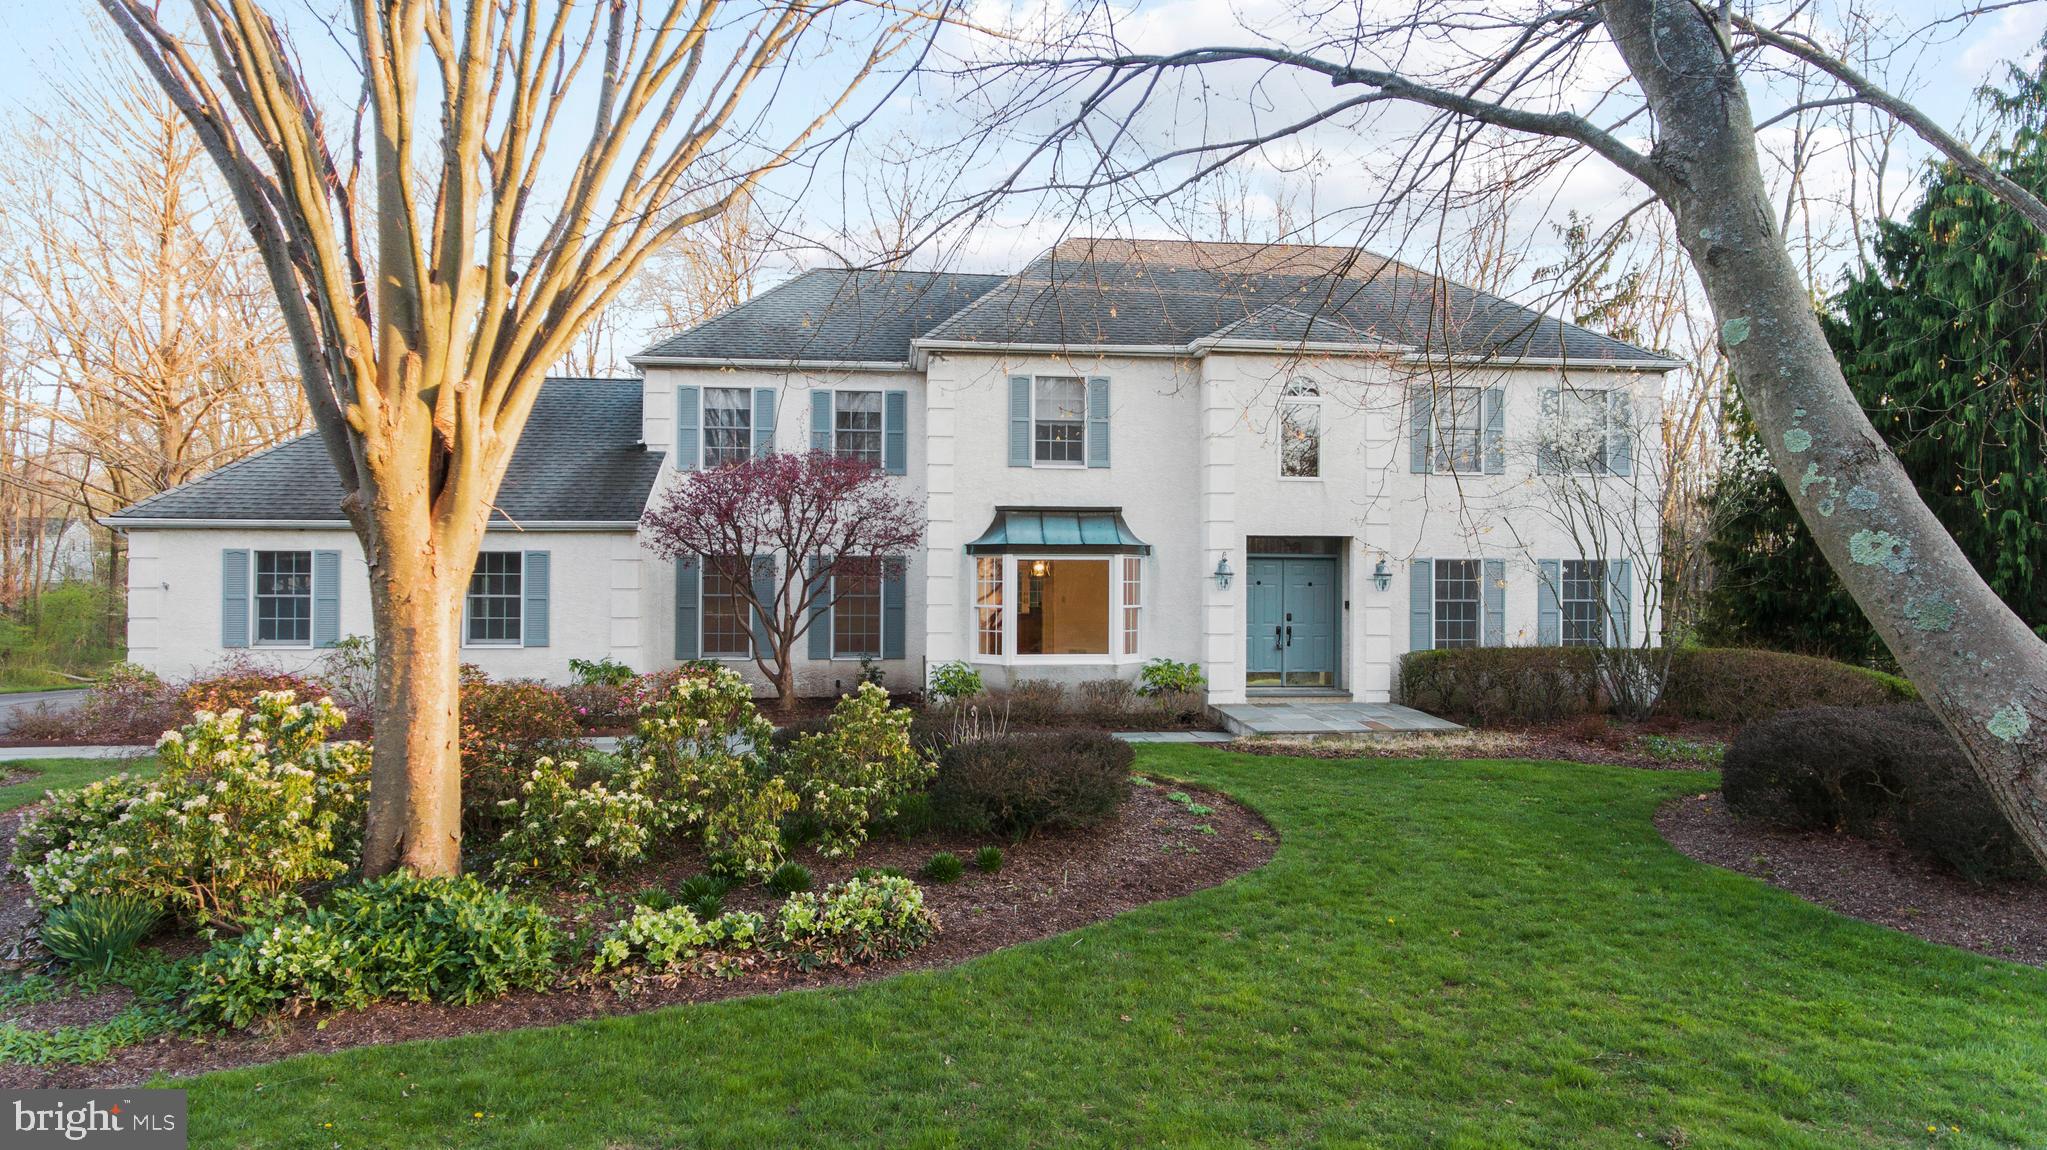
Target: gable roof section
{"x": 830, "y": 315}
{"x": 579, "y": 461}
{"x": 1181, "y": 294}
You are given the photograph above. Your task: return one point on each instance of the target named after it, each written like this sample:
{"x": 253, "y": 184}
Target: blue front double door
{"x": 1294, "y": 638}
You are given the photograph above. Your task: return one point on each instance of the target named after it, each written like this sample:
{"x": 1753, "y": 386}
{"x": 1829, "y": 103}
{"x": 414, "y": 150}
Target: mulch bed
{"x": 1866, "y": 879}
{"x": 1155, "y": 849}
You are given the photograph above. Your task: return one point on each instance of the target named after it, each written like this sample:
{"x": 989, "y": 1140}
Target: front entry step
{"x": 1314, "y": 717}
{"x": 1282, "y": 696}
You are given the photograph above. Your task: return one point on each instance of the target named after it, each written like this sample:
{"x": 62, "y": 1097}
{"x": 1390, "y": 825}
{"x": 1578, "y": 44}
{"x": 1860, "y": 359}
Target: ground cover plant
{"x": 1442, "y": 953}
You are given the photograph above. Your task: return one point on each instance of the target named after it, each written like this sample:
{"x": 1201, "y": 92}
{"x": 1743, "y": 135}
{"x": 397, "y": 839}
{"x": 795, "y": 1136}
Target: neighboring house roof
{"x": 1184, "y": 294}
{"x": 578, "y": 461}
{"x": 831, "y": 315}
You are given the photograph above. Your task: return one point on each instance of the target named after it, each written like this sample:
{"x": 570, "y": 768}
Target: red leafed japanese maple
{"x": 825, "y": 521}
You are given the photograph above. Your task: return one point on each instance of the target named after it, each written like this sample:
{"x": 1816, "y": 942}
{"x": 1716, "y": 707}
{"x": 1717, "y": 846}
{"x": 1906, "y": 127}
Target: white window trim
{"x": 469, "y": 644}
{"x": 881, "y": 398}
{"x": 881, "y": 630}
{"x": 704, "y": 425}
{"x": 703, "y": 574}
{"x": 1598, "y": 467}
{"x": 1010, "y": 598}
{"x": 1321, "y": 434}
{"x": 255, "y": 616}
{"x": 1440, "y": 462}
{"x": 1060, "y": 465}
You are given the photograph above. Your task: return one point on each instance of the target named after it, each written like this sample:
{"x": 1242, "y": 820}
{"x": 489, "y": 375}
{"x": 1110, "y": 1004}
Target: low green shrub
{"x": 1733, "y": 685}
{"x": 92, "y": 932}
{"x": 676, "y": 937}
{"x": 988, "y": 860}
{"x": 789, "y": 878}
{"x": 1018, "y": 784}
{"x": 1500, "y": 684}
{"x": 556, "y": 829}
{"x": 859, "y": 920}
{"x": 951, "y": 682}
{"x": 1872, "y": 771}
{"x": 857, "y": 771}
{"x": 438, "y": 939}
{"x": 707, "y": 748}
{"x": 944, "y": 866}
{"x": 245, "y": 807}
{"x": 1166, "y": 677}
{"x": 605, "y": 672}
{"x": 653, "y": 898}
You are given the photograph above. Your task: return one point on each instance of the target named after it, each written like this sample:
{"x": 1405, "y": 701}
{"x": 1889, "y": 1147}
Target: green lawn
{"x": 58, "y": 775}
{"x": 1442, "y": 954}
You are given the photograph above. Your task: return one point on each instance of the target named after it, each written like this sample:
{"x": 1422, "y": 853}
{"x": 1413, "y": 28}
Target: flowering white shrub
{"x": 245, "y": 807}
{"x": 859, "y": 920}
{"x": 558, "y": 830}
{"x": 858, "y": 771}
{"x": 676, "y": 937}
{"x": 704, "y": 742}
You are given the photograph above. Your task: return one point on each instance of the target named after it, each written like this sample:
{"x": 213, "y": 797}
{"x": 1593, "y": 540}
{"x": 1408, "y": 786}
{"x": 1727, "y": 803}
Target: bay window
{"x": 1058, "y": 608}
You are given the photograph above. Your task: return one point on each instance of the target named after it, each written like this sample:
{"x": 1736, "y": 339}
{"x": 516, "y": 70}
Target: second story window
{"x": 728, "y": 425}
{"x": 1059, "y": 420}
{"x": 1300, "y": 430}
{"x": 856, "y": 425}
{"x": 1459, "y": 426}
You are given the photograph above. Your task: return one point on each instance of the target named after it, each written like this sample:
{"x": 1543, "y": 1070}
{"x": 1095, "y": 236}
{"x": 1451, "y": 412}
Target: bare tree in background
{"x": 1658, "y": 89}
{"x": 143, "y": 309}
{"x": 430, "y": 270}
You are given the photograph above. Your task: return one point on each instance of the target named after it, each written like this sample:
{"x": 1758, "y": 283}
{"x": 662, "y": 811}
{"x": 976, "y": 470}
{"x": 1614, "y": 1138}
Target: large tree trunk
{"x": 415, "y": 805}
{"x": 1979, "y": 666}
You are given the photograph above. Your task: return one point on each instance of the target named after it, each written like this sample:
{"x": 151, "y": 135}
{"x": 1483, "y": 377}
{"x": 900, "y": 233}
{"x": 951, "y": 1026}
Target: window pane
{"x": 857, "y": 424}
{"x": 1578, "y": 435}
{"x": 1582, "y": 600}
{"x": 1059, "y": 428}
{"x": 988, "y": 602}
{"x": 1457, "y": 602}
{"x": 1062, "y": 607}
{"x": 727, "y": 620}
{"x": 1458, "y": 428}
{"x": 284, "y": 597}
{"x": 1133, "y": 599}
{"x": 728, "y": 425}
{"x": 495, "y": 598}
{"x": 1300, "y": 440}
{"x": 856, "y": 608}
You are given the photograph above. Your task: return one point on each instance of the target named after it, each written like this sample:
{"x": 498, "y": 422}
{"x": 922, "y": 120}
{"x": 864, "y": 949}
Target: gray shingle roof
{"x": 1173, "y": 293}
{"x": 830, "y": 315}
{"x": 579, "y": 460}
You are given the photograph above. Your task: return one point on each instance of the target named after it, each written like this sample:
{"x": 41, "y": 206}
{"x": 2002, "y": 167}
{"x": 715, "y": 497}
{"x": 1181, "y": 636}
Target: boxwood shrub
{"x": 1710, "y": 684}
{"x": 1871, "y": 771}
{"x": 1017, "y": 784}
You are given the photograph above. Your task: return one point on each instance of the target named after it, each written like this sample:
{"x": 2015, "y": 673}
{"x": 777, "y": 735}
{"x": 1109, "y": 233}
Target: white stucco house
{"x": 1289, "y": 464}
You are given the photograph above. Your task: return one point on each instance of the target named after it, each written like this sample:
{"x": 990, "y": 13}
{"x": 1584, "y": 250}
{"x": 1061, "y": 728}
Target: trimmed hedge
{"x": 1018, "y": 784}
{"x": 1873, "y": 771}
{"x": 1707, "y": 684}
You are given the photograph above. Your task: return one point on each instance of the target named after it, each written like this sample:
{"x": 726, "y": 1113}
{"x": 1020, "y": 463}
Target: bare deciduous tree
{"x": 430, "y": 270}
{"x": 1658, "y": 89}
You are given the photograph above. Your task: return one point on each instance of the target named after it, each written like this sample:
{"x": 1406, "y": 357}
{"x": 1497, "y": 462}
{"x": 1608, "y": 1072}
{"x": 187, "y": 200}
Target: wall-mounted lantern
{"x": 1382, "y": 576}
{"x": 1223, "y": 574}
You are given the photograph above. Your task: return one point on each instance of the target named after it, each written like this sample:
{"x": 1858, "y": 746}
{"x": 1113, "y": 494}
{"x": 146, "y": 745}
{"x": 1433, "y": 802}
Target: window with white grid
{"x": 728, "y": 425}
{"x": 856, "y": 608}
{"x": 1582, "y": 600}
{"x": 495, "y": 598}
{"x": 1133, "y": 600}
{"x": 284, "y": 598}
{"x": 1457, "y": 602}
{"x": 728, "y": 630}
{"x": 988, "y": 603}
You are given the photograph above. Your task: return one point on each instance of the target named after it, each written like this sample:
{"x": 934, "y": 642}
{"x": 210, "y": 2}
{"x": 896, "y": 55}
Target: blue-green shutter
{"x": 1620, "y": 432}
{"x": 892, "y": 622}
{"x": 1421, "y": 411}
{"x": 1549, "y": 618}
{"x": 1620, "y": 602}
{"x": 688, "y": 608}
{"x": 1547, "y": 461}
{"x": 1019, "y": 421}
{"x": 895, "y": 432}
{"x": 1495, "y": 598}
{"x": 1421, "y": 604}
{"x": 689, "y": 422}
{"x": 1098, "y": 421}
{"x": 326, "y": 598}
{"x": 820, "y": 587}
{"x": 234, "y": 597}
{"x": 764, "y": 592}
{"x": 1493, "y": 404}
{"x": 763, "y": 421}
{"x": 820, "y": 419}
{"x": 533, "y": 629}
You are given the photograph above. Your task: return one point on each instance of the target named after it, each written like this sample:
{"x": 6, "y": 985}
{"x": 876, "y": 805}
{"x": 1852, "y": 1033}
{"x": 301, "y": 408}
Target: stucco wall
{"x": 596, "y": 600}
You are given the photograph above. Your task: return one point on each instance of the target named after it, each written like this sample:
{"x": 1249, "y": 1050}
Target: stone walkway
{"x": 1307, "y": 717}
